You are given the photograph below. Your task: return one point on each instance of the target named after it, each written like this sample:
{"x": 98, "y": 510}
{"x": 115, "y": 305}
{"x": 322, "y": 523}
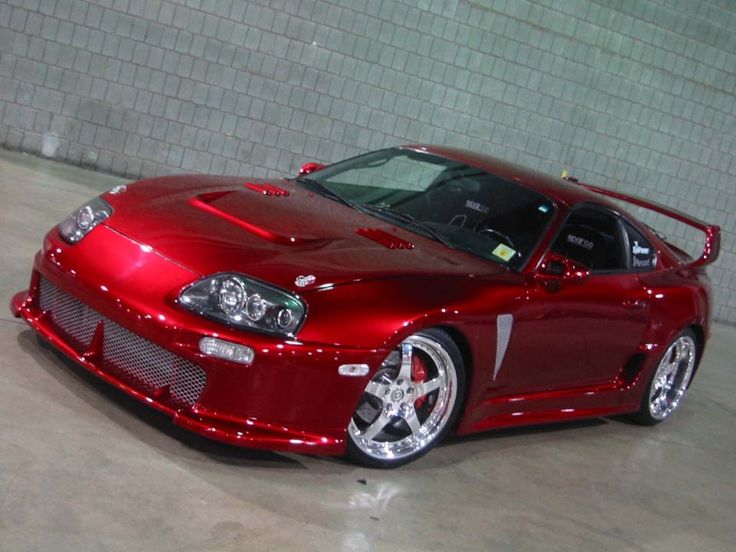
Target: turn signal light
{"x": 218, "y": 348}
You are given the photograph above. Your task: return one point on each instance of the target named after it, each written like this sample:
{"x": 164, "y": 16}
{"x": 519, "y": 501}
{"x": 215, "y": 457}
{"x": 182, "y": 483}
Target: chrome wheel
{"x": 672, "y": 377}
{"x": 410, "y": 401}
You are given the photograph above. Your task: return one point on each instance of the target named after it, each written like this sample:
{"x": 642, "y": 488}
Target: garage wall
{"x": 635, "y": 95}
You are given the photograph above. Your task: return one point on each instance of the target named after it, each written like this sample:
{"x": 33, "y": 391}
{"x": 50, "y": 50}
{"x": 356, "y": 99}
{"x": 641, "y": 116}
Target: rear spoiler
{"x": 712, "y": 232}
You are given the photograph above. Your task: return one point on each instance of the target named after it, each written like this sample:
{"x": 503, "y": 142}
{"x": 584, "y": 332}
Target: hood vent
{"x": 384, "y": 238}
{"x": 267, "y": 189}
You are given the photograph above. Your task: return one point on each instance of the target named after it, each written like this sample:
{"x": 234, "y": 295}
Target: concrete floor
{"x": 83, "y": 467}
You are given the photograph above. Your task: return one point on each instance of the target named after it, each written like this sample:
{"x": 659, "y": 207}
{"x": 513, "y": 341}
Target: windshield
{"x": 461, "y": 206}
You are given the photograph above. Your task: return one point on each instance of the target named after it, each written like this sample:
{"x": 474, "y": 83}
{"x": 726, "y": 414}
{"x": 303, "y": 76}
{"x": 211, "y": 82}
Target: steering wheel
{"x": 500, "y": 236}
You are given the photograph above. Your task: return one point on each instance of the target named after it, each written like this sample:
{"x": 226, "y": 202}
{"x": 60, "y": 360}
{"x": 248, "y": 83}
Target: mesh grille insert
{"x": 131, "y": 358}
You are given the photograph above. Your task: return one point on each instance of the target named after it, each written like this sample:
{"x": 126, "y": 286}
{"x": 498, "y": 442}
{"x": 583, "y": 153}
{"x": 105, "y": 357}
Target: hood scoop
{"x": 390, "y": 241}
{"x": 206, "y": 203}
{"x": 267, "y": 189}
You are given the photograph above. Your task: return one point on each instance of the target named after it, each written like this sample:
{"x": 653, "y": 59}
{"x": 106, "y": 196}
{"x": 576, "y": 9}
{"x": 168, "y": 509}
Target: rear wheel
{"x": 410, "y": 403}
{"x": 670, "y": 380}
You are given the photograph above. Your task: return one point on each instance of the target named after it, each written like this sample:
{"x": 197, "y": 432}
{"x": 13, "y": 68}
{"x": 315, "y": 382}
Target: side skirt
{"x": 618, "y": 397}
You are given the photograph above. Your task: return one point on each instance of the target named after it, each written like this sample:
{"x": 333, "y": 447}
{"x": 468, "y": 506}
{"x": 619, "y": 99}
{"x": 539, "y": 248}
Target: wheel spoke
{"x": 682, "y": 351}
{"x": 426, "y": 387}
{"x": 659, "y": 404}
{"x": 376, "y": 389}
{"x": 658, "y": 393}
{"x": 671, "y": 367}
{"x": 375, "y": 428}
{"x": 407, "y": 353}
{"x": 413, "y": 421}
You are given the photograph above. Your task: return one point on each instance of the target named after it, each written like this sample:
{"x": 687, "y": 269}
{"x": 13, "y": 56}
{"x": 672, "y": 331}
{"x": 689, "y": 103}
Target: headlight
{"x": 243, "y": 302}
{"x": 80, "y": 222}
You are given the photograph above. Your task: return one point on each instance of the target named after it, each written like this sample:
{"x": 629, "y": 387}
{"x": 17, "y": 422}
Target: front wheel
{"x": 410, "y": 403}
{"x": 670, "y": 381}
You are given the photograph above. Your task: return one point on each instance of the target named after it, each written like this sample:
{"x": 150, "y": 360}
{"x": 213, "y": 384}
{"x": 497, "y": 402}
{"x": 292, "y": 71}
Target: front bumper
{"x": 290, "y": 398}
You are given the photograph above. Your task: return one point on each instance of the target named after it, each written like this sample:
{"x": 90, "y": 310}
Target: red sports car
{"x": 369, "y": 307}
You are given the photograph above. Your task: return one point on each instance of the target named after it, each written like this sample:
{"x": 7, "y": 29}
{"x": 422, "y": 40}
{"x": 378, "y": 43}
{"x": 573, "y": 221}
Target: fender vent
{"x": 632, "y": 368}
{"x": 267, "y": 189}
{"x": 384, "y": 238}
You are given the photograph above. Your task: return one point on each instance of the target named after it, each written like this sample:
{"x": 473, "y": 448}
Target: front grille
{"x": 129, "y": 357}
{"x": 76, "y": 321}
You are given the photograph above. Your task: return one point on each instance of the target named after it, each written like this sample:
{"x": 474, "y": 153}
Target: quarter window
{"x": 641, "y": 253}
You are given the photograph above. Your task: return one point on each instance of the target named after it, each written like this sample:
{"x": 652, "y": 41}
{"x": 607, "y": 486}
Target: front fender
{"x": 380, "y": 313}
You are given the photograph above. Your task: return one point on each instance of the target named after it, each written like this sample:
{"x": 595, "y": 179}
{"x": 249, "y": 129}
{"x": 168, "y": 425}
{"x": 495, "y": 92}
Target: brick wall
{"x": 636, "y": 95}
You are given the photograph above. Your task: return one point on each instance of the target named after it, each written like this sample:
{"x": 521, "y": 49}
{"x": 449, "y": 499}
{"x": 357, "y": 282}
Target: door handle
{"x": 634, "y": 304}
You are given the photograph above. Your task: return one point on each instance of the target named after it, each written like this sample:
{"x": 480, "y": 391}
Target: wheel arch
{"x": 686, "y": 306}
{"x": 466, "y": 353}
{"x": 459, "y": 337}
{"x": 699, "y": 332}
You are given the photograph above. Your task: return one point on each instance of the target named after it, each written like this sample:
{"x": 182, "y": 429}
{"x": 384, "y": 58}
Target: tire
{"x": 670, "y": 380}
{"x": 410, "y": 403}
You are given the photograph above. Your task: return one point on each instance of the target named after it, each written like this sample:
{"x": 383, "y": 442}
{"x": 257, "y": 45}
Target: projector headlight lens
{"x": 284, "y": 318}
{"x": 231, "y": 296}
{"x": 255, "y": 307}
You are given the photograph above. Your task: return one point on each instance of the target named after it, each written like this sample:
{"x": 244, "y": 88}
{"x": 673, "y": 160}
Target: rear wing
{"x": 712, "y": 232}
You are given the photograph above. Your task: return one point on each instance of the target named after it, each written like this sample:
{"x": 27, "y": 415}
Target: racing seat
{"x": 585, "y": 245}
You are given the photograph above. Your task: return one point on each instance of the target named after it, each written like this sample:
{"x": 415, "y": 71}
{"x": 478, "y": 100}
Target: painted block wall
{"x": 637, "y": 95}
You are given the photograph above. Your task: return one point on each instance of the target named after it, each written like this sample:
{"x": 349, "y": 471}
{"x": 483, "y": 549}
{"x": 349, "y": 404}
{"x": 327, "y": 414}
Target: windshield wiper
{"x": 317, "y": 186}
{"x": 409, "y": 219}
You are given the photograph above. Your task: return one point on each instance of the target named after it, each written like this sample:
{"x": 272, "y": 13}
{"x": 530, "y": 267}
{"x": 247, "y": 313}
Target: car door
{"x": 580, "y": 331}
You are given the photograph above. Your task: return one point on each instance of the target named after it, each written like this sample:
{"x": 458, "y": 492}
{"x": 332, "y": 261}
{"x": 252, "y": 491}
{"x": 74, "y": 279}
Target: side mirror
{"x": 310, "y": 168}
{"x": 556, "y": 269}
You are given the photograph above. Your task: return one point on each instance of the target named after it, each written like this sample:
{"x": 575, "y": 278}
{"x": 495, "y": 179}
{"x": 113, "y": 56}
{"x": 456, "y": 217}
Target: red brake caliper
{"x": 418, "y": 375}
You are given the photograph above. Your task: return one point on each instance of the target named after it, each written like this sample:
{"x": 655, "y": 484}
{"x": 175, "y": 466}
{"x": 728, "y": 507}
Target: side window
{"x": 592, "y": 237}
{"x": 640, "y": 251}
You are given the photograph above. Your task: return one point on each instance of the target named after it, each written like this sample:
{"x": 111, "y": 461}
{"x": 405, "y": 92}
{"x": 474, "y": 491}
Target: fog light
{"x": 211, "y": 346}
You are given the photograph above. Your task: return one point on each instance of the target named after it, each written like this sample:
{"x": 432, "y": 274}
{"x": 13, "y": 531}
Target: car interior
{"x": 474, "y": 200}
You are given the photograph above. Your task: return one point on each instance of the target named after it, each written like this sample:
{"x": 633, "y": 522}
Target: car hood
{"x": 276, "y": 231}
